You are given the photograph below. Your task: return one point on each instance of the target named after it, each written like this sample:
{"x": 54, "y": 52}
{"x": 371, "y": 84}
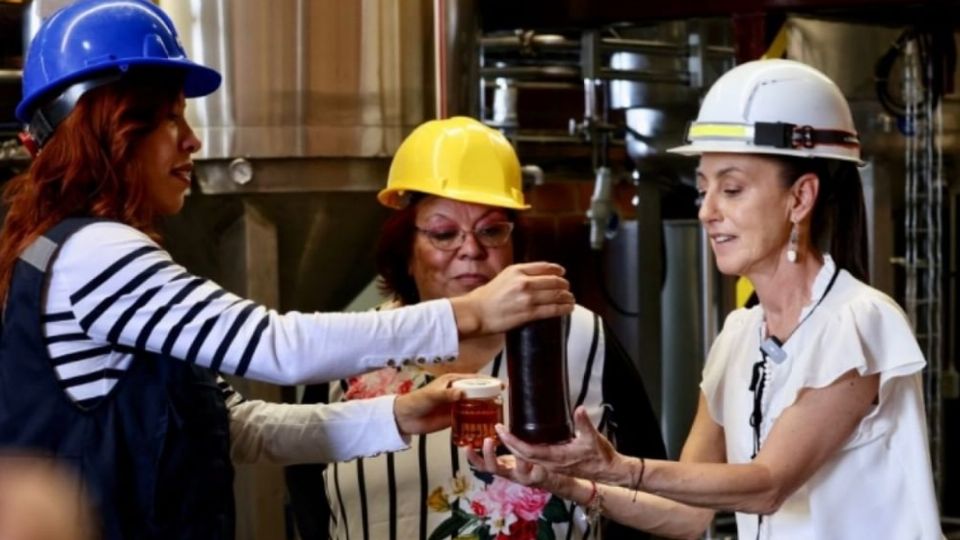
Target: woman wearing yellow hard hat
{"x": 109, "y": 349}
{"x": 456, "y": 188}
{"x": 811, "y": 419}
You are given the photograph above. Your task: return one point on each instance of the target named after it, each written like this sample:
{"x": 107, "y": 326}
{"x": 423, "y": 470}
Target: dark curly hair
{"x": 392, "y": 256}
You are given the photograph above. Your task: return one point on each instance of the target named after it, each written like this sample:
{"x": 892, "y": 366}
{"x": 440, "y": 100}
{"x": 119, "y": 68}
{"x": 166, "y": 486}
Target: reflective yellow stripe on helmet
{"x": 720, "y": 131}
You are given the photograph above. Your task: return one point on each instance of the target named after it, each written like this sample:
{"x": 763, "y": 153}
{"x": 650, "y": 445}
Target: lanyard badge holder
{"x": 772, "y": 348}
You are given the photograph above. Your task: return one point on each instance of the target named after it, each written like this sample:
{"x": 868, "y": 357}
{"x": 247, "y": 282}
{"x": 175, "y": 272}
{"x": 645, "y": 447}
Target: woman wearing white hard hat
{"x": 811, "y": 419}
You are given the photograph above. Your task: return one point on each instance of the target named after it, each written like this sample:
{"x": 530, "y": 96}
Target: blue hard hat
{"x": 100, "y": 40}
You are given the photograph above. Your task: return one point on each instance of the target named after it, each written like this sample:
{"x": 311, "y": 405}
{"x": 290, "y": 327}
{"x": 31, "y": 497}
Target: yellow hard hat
{"x": 458, "y": 158}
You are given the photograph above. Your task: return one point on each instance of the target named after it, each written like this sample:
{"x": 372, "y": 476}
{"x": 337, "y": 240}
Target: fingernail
{"x": 500, "y": 428}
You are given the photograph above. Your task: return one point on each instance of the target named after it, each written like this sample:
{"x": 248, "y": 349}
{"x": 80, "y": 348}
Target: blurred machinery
{"x": 638, "y": 86}
{"x": 12, "y": 155}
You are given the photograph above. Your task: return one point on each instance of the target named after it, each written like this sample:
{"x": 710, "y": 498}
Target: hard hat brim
{"x": 395, "y": 198}
{"x": 198, "y": 80}
{"x": 730, "y": 147}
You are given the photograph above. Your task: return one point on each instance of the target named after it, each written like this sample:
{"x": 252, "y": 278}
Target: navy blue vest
{"x": 154, "y": 455}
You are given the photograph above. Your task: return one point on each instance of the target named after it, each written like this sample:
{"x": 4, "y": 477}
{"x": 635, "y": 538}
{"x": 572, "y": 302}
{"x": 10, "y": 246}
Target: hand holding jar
{"x": 476, "y": 415}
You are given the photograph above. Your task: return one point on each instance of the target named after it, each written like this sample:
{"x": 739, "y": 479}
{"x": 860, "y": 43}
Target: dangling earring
{"x": 792, "y": 250}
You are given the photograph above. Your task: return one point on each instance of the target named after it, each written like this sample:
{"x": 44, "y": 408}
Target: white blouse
{"x": 879, "y": 484}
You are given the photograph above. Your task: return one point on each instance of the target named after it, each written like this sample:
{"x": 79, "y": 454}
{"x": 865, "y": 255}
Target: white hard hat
{"x": 778, "y": 107}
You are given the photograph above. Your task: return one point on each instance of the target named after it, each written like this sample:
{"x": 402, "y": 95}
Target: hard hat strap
{"x": 782, "y": 135}
{"x": 49, "y": 116}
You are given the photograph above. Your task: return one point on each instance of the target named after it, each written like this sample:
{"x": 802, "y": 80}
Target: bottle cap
{"x": 478, "y": 388}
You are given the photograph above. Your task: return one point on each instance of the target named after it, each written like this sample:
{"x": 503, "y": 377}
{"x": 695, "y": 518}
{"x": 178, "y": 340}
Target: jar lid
{"x": 478, "y": 388}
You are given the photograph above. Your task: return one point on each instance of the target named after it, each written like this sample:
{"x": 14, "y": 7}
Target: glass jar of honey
{"x": 539, "y": 389}
{"x": 476, "y": 414}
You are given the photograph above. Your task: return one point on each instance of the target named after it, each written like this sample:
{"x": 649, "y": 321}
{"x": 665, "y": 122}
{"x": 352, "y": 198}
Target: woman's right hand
{"x": 520, "y": 293}
{"x": 427, "y": 409}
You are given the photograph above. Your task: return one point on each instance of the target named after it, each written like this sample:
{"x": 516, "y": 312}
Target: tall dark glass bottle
{"x": 539, "y": 395}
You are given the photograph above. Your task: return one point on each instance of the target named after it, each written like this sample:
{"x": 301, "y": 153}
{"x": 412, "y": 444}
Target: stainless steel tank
{"x": 309, "y": 78}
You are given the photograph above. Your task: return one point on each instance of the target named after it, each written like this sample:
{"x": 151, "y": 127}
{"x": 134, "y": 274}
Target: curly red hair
{"x": 88, "y": 168}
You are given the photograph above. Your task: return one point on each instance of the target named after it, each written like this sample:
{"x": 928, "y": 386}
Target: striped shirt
{"x": 431, "y": 490}
{"x": 113, "y": 292}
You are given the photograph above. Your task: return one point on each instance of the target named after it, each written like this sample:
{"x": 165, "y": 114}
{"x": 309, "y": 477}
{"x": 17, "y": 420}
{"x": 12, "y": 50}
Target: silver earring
{"x": 792, "y": 250}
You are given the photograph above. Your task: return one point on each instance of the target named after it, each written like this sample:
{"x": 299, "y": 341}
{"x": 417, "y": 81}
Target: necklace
{"x": 772, "y": 348}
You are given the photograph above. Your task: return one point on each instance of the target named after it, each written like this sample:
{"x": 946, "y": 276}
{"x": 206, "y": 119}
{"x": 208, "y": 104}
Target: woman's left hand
{"x": 509, "y": 467}
{"x": 427, "y": 409}
{"x": 589, "y": 455}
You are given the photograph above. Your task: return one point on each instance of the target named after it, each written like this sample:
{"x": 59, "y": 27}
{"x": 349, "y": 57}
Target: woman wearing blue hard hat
{"x": 107, "y": 346}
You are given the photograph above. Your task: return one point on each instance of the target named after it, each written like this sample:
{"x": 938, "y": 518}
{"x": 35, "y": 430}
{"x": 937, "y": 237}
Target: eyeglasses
{"x": 491, "y": 235}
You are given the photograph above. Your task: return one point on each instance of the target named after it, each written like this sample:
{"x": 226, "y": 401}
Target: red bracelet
{"x": 593, "y": 495}
{"x": 594, "y": 505}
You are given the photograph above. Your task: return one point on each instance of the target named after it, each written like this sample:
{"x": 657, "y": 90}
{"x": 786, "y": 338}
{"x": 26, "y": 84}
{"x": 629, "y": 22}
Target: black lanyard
{"x": 772, "y": 348}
